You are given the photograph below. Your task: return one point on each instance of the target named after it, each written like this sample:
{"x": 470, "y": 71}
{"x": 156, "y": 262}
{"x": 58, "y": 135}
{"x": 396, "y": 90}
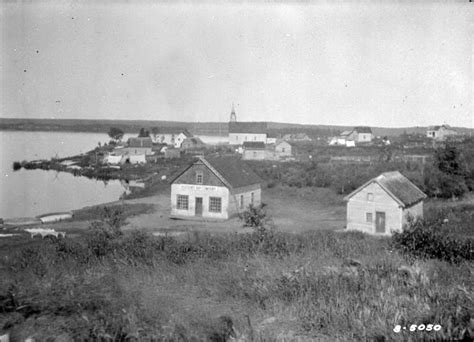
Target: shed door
{"x": 380, "y": 222}
{"x": 198, "y": 206}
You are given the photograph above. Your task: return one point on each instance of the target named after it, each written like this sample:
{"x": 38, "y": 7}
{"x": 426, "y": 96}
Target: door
{"x": 198, "y": 206}
{"x": 379, "y": 222}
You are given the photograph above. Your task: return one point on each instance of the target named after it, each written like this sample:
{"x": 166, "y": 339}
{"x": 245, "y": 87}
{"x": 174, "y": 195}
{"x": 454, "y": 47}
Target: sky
{"x": 342, "y": 63}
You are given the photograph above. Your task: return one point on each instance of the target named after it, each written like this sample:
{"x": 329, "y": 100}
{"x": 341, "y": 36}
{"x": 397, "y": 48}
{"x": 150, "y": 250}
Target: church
{"x": 240, "y": 132}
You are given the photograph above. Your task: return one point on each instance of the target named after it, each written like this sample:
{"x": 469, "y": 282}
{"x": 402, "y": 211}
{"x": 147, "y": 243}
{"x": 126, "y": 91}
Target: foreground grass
{"x": 271, "y": 286}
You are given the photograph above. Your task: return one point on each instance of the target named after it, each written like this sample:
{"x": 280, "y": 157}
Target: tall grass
{"x": 316, "y": 285}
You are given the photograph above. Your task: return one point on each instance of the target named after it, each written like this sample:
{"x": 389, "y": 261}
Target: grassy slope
{"x": 310, "y": 292}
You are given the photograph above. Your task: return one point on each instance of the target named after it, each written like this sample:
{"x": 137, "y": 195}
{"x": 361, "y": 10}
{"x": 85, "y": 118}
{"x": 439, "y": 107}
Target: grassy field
{"x": 314, "y": 284}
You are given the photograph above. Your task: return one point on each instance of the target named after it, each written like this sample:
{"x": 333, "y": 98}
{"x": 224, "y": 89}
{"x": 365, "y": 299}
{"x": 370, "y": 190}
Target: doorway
{"x": 380, "y": 222}
{"x": 198, "y": 206}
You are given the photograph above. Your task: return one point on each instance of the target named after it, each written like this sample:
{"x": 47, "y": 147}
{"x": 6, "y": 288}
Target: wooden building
{"x": 440, "y": 132}
{"x": 383, "y": 204}
{"x": 214, "y": 188}
{"x": 253, "y": 150}
{"x": 173, "y": 136}
{"x": 138, "y": 146}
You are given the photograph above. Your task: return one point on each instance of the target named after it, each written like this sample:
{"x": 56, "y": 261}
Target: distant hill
{"x": 198, "y": 128}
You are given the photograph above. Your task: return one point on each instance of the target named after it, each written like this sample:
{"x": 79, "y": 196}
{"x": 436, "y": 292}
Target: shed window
{"x": 283, "y": 149}
{"x": 251, "y": 197}
{"x": 370, "y": 196}
{"x": 183, "y": 202}
{"x": 368, "y": 217}
{"x": 254, "y": 153}
{"x": 199, "y": 177}
{"x": 241, "y": 201}
{"x": 215, "y": 204}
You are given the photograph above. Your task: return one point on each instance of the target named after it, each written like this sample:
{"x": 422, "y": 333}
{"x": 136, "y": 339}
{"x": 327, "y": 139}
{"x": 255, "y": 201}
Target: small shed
{"x": 383, "y": 204}
{"x": 284, "y": 149}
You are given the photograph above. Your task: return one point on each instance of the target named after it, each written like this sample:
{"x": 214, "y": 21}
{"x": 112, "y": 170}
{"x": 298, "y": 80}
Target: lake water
{"x": 28, "y": 193}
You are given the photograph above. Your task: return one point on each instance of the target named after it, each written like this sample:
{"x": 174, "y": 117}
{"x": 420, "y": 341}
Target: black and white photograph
{"x": 229, "y": 170}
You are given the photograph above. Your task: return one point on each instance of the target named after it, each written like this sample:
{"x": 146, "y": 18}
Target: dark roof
{"x": 233, "y": 172}
{"x": 248, "y": 127}
{"x": 140, "y": 142}
{"x": 363, "y": 129}
{"x": 172, "y": 130}
{"x": 254, "y": 145}
{"x": 437, "y": 128}
{"x": 398, "y": 187}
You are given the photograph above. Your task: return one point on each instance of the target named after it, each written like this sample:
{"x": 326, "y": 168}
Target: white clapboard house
{"x": 214, "y": 188}
{"x": 383, "y": 204}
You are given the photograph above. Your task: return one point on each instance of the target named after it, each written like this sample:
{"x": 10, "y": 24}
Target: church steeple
{"x": 233, "y": 117}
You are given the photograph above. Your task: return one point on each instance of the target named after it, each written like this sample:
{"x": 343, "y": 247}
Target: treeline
{"x": 450, "y": 175}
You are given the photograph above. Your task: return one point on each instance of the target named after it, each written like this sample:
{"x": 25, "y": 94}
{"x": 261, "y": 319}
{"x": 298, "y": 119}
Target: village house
{"x": 301, "y": 137}
{"x": 383, "y": 204}
{"x": 170, "y": 135}
{"x": 137, "y": 146}
{"x": 214, "y": 188}
{"x": 253, "y": 150}
{"x": 193, "y": 145}
{"x": 440, "y": 132}
{"x": 361, "y": 134}
{"x": 284, "y": 149}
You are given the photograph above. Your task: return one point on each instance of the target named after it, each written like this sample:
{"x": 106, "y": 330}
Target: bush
{"x": 254, "y": 216}
{"x": 420, "y": 239}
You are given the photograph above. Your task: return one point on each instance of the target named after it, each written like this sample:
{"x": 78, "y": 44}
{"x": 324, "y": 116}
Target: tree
{"x": 143, "y": 133}
{"x": 115, "y": 133}
{"x": 449, "y": 160}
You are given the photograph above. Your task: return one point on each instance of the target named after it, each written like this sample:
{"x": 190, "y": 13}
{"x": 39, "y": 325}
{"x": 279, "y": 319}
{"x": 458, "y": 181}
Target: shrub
{"x": 420, "y": 239}
{"x": 254, "y": 216}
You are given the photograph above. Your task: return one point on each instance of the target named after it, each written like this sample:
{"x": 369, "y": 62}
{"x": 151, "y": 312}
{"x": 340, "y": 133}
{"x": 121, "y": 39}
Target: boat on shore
{"x": 55, "y": 217}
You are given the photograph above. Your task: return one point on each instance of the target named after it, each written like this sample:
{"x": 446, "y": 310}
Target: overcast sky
{"x": 390, "y": 65}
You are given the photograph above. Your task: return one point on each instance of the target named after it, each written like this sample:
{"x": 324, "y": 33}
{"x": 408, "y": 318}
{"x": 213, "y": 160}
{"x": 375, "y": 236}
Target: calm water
{"x": 28, "y": 193}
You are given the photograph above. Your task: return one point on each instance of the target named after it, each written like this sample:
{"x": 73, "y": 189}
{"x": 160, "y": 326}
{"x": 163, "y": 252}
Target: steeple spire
{"x": 233, "y": 117}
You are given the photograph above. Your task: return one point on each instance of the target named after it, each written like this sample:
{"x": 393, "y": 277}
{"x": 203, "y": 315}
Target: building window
{"x": 254, "y": 138}
{"x": 251, "y": 197}
{"x": 368, "y": 217}
{"x": 254, "y": 154}
{"x": 370, "y": 197}
{"x": 245, "y": 138}
{"x": 215, "y": 204}
{"x": 199, "y": 177}
{"x": 236, "y": 137}
{"x": 241, "y": 201}
{"x": 283, "y": 149}
{"x": 183, "y": 202}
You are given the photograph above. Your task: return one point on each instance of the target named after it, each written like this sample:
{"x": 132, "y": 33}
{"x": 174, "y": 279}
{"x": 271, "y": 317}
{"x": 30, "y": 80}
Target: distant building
{"x": 137, "y": 146}
{"x": 214, "y": 188}
{"x": 172, "y": 153}
{"x": 193, "y": 144}
{"x": 239, "y": 132}
{"x": 297, "y": 137}
{"x": 383, "y": 204}
{"x": 271, "y": 138}
{"x": 352, "y": 137}
{"x": 253, "y": 150}
{"x": 440, "y": 132}
{"x": 170, "y": 135}
{"x": 284, "y": 149}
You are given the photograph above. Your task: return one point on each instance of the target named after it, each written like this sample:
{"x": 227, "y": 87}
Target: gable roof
{"x": 363, "y": 129}
{"x": 140, "y": 142}
{"x": 248, "y": 127}
{"x": 254, "y": 145}
{"x": 397, "y": 186}
{"x": 233, "y": 172}
{"x": 437, "y": 128}
{"x": 193, "y": 141}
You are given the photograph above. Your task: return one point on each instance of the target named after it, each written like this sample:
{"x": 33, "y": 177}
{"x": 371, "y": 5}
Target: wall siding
{"x": 203, "y": 191}
{"x": 249, "y": 155}
{"x": 189, "y": 176}
{"x": 358, "y": 206}
{"x": 234, "y": 198}
{"x": 415, "y": 211}
{"x": 240, "y": 138}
